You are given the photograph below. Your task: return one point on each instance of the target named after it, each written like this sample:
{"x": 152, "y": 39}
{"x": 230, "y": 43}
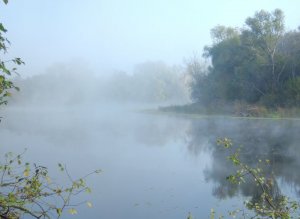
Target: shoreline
{"x": 203, "y": 115}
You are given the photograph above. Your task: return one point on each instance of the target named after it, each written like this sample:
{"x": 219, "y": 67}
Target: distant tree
{"x": 26, "y": 190}
{"x": 151, "y": 82}
{"x": 199, "y": 83}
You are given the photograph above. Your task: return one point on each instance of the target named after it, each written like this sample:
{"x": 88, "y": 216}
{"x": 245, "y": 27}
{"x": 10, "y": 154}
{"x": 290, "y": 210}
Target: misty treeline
{"x": 74, "y": 83}
{"x": 257, "y": 64}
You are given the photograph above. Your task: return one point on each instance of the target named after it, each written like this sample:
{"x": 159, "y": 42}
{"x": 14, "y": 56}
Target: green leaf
{"x": 7, "y": 94}
{"x": 18, "y": 61}
{"x": 89, "y": 204}
{"x": 190, "y": 216}
{"x": 48, "y": 179}
{"x": 26, "y": 172}
{"x": 2, "y": 28}
{"x": 5, "y": 70}
{"x": 88, "y": 190}
{"x": 58, "y": 211}
{"x": 72, "y": 211}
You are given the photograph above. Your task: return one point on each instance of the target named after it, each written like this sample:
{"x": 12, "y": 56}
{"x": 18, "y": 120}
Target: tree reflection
{"x": 275, "y": 140}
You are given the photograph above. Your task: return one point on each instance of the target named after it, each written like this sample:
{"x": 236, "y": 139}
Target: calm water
{"x": 154, "y": 166}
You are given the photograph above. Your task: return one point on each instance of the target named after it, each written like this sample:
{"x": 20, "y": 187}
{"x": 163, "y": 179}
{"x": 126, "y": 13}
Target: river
{"x": 153, "y": 166}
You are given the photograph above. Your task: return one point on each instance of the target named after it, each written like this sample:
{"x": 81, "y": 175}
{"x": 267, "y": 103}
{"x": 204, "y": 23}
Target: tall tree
{"x": 262, "y": 36}
{"x": 248, "y": 64}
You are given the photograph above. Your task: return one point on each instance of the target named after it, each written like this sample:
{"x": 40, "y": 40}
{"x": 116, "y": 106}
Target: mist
{"x": 143, "y": 90}
{"x": 72, "y": 84}
{"x": 117, "y": 35}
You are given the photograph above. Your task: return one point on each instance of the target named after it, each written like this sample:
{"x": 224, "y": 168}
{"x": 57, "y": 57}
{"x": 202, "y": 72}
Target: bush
{"x": 28, "y": 190}
{"x": 292, "y": 92}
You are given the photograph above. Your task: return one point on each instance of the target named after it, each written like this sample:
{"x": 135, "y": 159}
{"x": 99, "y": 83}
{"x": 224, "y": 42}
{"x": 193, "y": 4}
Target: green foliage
{"x": 189, "y": 216}
{"x": 28, "y": 190}
{"x": 5, "y": 83}
{"x": 292, "y": 91}
{"x": 268, "y": 203}
{"x": 221, "y": 33}
{"x": 255, "y": 64}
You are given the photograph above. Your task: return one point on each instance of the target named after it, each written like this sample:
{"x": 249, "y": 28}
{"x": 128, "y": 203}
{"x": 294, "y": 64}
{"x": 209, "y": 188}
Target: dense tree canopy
{"x": 257, "y": 64}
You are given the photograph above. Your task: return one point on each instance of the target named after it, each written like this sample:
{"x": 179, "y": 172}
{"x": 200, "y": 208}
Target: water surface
{"x": 154, "y": 166}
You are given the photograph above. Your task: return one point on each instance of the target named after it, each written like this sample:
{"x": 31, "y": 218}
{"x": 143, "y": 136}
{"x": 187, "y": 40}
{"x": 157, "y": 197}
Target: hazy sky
{"x": 117, "y": 34}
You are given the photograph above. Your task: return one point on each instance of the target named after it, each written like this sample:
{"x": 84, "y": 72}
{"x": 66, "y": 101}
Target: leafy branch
{"x": 5, "y": 83}
{"x": 268, "y": 204}
{"x": 27, "y": 189}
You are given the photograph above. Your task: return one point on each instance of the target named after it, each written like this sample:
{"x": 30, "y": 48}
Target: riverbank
{"x": 236, "y": 110}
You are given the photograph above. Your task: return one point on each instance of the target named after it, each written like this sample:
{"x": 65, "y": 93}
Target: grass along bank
{"x": 237, "y": 109}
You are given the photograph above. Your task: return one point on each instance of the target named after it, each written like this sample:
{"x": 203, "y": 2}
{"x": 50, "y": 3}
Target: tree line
{"x": 150, "y": 82}
{"x": 257, "y": 64}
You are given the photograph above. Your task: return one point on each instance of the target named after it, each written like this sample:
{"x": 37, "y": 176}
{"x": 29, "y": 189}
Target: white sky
{"x": 117, "y": 34}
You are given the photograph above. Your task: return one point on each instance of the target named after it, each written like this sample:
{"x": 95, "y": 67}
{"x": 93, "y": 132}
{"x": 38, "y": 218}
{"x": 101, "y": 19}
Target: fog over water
{"x": 95, "y": 73}
{"x": 154, "y": 166}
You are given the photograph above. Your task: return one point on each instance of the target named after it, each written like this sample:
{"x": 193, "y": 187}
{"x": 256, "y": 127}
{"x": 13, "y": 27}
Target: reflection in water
{"x": 153, "y": 166}
{"x": 276, "y": 140}
{"x": 145, "y": 174}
